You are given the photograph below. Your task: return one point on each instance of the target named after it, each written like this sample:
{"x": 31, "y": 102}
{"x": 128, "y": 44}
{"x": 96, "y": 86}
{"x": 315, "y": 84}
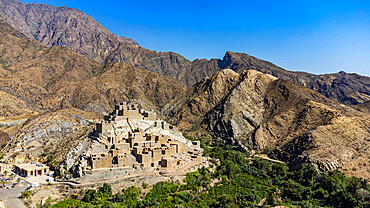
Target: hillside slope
{"x": 263, "y": 113}
{"x": 62, "y": 26}
{"x": 53, "y": 137}
{"x": 37, "y": 78}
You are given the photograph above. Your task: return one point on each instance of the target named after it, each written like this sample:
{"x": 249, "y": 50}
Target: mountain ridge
{"x": 254, "y": 104}
{"x": 262, "y": 113}
{"x": 103, "y": 46}
{"x": 42, "y": 78}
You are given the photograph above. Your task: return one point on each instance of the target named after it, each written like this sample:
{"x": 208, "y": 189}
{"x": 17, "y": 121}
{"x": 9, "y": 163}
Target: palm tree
{"x": 12, "y": 176}
{"x": 19, "y": 179}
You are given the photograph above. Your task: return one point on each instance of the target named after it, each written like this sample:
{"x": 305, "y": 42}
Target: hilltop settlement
{"x": 131, "y": 138}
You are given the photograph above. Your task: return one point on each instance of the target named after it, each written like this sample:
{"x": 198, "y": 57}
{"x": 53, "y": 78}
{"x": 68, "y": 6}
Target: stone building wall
{"x": 132, "y": 132}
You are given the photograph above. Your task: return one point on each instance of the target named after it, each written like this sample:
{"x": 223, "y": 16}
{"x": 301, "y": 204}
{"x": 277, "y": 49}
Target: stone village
{"x": 134, "y": 138}
{"x": 129, "y": 140}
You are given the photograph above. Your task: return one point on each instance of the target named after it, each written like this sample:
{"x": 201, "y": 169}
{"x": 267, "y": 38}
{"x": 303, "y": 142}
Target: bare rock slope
{"x": 260, "y": 112}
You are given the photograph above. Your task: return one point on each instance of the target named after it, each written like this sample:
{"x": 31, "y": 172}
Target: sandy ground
{"x": 40, "y": 179}
{"x": 42, "y": 193}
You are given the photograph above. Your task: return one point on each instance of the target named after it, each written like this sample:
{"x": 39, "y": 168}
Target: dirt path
{"x": 264, "y": 156}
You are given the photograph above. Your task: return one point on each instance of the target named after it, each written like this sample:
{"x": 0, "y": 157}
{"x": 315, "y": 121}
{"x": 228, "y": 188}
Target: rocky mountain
{"x": 43, "y": 91}
{"x": 200, "y": 98}
{"x": 5, "y": 27}
{"x": 240, "y": 99}
{"x": 35, "y": 78}
{"x": 343, "y": 87}
{"x": 15, "y": 108}
{"x": 62, "y": 26}
{"x": 80, "y": 33}
{"x": 263, "y": 113}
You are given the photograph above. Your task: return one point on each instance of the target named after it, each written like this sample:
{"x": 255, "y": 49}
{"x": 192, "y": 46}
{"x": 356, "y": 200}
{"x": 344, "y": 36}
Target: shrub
{"x": 26, "y": 194}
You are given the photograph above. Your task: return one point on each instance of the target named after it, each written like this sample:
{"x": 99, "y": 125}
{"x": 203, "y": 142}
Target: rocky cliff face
{"x": 71, "y": 28}
{"x": 35, "y": 78}
{"x": 200, "y": 98}
{"x": 263, "y": 113}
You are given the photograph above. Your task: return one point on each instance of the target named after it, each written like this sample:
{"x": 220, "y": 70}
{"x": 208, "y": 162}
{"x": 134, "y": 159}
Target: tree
{"x": 293, "y": 190}
{"x": 108, "y": 205}
{"x": 106, "y": 189}
{"x": 131, "y": 192}
{"x": 89, "y": 195}
{"x": 279, "y": 169}
{"x": 144, "y": 185}
{"x": 321, "y": 194}
{"x": 226, "y": 200}
{"x": 119, "y": 198}
{"x": 306, "y": 175}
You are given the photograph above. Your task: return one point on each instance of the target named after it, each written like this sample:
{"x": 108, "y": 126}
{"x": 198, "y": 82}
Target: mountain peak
{"x": 226, "y": 72}
{"x": 70, "y": 28}
{"x": 61, "y": 26}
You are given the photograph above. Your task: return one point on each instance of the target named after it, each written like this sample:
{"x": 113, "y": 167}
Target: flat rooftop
{"x": 31, "y": 166}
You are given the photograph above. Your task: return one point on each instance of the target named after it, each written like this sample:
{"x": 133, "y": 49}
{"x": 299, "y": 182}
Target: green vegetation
{"x": 4, "y": 64}
{"x": 239, "y": 180}
{"x": 26, "y": 194}
{"x": 97, "y": 72}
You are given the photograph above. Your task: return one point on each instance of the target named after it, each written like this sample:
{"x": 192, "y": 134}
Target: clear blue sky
{"x": 312, "y": 36}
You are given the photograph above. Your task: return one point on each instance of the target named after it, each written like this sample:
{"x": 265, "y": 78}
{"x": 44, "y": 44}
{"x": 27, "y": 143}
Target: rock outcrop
{"x": 343, "y": 87}
{"x": 200, "y": 98}
{"x": 260, "y": 112}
